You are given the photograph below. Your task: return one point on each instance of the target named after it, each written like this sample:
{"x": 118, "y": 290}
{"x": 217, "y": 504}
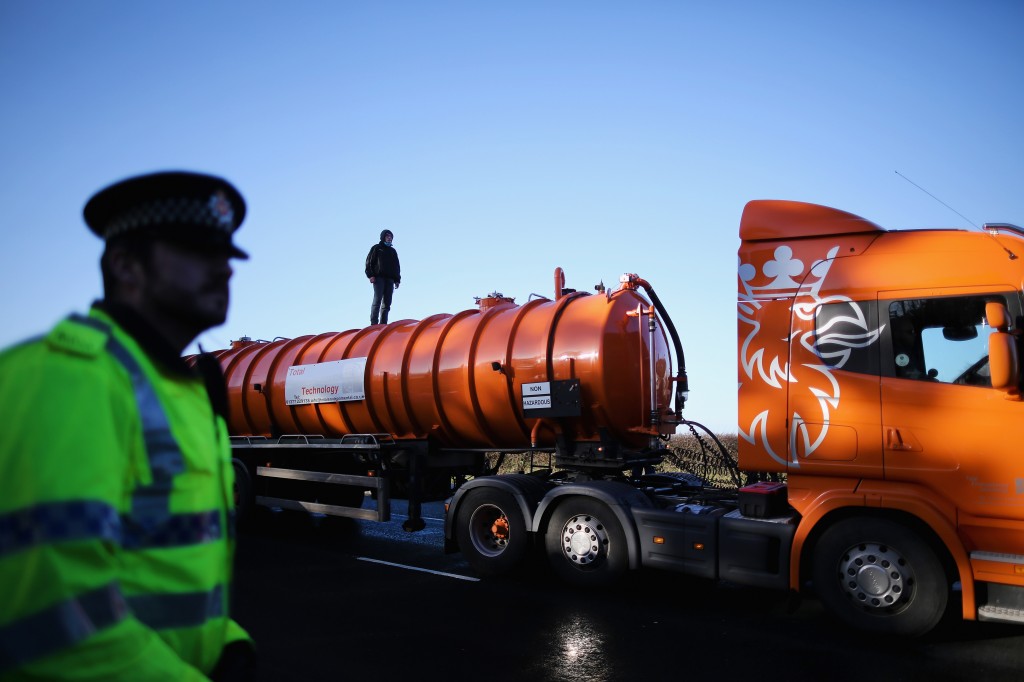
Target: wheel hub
{"x": 499, "y": 529}
{"x": 875, "y": 576}
{"x": 583, "y": 539}
{"x": 489, "y": 530}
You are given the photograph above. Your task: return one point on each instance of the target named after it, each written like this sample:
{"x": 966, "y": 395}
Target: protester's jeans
{"x": 383, "y": 289}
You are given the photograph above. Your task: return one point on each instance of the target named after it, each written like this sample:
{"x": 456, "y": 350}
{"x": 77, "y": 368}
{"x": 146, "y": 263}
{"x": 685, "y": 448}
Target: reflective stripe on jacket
{"x": 115, "y": 488}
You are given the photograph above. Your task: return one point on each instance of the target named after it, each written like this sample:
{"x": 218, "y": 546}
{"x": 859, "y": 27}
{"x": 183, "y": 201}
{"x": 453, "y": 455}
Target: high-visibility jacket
{"x": 116, "y": 540}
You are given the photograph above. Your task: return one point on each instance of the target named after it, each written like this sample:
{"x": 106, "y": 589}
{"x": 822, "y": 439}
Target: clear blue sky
{"x": 498, "y": 141}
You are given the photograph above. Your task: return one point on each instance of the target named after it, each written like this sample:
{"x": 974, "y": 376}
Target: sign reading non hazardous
{"x": 537, "y": 396}
{"x": 559, "y": 398}
{"x": 537, "y": 388}
{"x": 536, "y": 402}
{"x": 325, "y": 382}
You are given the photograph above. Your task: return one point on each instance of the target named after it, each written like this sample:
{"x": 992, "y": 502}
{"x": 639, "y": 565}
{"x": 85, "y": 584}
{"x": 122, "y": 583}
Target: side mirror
{"x": 997, "y": 316}
{"x": 1003, "y": 363}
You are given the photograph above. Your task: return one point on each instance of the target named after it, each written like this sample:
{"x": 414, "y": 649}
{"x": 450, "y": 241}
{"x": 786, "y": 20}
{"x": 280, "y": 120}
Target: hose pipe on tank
{"x": 682, "y": 385}
{"x": 543, "y": 423}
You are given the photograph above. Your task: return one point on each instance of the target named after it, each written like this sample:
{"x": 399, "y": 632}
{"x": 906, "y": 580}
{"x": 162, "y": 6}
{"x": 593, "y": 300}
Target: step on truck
{"x": 880, "y": 402}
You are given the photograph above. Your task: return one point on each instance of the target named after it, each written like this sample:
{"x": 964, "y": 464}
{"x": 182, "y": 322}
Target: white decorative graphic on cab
{"x": 834, "y": 343}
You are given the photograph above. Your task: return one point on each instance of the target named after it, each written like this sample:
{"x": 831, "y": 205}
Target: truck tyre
{"x": 492, "y": 532}
{"x": 879, "y": 576}
{"x": 586, "y": 544}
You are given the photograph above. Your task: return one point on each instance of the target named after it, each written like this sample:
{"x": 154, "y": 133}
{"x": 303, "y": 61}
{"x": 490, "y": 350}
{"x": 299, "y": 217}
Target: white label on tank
{"x": 536, "y": 402}
{"x": 538, "y": 388}
{"x": 325, "y": 382}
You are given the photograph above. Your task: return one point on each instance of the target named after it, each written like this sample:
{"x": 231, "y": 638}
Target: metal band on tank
{"x": 298, "y": 345}
{"x": 446, "y": 425}
{"x": 328, "y": 339}
{"x": 561, "y": 304}
{"x": 374, "y": 410}
{"x": 355, "y": 336}
{"x": 471, "y": 389}
{"x": 238, "y": 401}
{"x": 414, "y": 336}
{"x": 512, "y": 336}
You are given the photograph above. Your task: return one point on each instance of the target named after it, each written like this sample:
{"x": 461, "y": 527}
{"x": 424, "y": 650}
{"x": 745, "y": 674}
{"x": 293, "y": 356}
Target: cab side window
{"x": 845, "y": 336}
{"x": 941, "y": 340}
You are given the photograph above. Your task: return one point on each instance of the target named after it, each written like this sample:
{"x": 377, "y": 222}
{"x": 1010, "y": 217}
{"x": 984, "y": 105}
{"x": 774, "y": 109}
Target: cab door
{"x": 833, "y": 391}
{"x": 943, "y": 425}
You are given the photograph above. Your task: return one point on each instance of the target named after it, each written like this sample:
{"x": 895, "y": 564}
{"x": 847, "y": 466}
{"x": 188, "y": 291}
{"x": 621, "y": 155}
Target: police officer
{"x": 385, "y": 274}
{"x": 116, "y": 537}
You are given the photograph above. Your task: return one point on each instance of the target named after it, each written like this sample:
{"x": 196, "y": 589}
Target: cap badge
{"x": 221, "y": 209}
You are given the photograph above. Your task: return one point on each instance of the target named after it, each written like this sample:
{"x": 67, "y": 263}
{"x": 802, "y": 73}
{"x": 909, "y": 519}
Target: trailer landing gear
{"x": 242, "y": 493}
{"x": 413, "y": 525}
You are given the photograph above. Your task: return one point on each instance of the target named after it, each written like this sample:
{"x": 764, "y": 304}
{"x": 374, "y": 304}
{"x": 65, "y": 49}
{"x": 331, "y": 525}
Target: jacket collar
{"x": 152, "y": 344}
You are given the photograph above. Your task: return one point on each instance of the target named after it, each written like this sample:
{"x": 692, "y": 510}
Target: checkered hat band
{"x": 176, "y": 211}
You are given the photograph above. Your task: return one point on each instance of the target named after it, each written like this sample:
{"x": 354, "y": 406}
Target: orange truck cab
{"x": 879, "y": 371}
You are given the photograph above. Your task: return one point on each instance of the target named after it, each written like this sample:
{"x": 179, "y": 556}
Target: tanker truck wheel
{"x": 878, "y": 575}
{"x": 586, "y": 544}
{"x": 492, "y": 532}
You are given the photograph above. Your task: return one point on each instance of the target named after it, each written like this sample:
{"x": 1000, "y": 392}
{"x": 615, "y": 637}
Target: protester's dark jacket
{"x": 382, "y": 261}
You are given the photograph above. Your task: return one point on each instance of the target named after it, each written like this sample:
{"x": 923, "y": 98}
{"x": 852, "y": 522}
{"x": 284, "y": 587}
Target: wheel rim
{"x": 875, "y": 576}
{"x": 489, "y": 530}
{"x": 584, "y": 539}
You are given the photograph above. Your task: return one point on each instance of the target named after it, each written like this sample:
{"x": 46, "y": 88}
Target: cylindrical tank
{"x": 457, "y": 379}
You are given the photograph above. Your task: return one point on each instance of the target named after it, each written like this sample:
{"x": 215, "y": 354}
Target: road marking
{"x": 425, "y": 518}
{"x": 417, "y": 568}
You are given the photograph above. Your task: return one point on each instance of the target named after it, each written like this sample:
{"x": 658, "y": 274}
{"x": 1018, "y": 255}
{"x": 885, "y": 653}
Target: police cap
{"x": 192, "y": 209}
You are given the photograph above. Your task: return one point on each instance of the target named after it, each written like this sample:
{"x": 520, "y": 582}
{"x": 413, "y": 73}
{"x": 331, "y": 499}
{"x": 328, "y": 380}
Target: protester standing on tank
{"x": 116, "y": 511}
{"x": 385, "y": 274}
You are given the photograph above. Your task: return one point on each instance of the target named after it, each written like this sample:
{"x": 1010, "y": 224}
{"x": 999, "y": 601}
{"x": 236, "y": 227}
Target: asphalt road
{"x": 336, "y": 599}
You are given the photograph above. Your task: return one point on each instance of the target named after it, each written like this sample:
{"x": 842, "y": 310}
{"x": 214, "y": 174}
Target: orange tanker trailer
{"x": 412, "y": 404}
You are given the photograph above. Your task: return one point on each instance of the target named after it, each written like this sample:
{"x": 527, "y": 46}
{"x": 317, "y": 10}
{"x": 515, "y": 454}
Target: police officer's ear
{"x": 123, "y": 265}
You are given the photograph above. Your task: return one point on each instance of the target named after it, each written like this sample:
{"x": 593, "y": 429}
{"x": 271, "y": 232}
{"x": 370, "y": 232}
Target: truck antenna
{"x": 938, "y": 200}
{"x": 1012, "y": 255}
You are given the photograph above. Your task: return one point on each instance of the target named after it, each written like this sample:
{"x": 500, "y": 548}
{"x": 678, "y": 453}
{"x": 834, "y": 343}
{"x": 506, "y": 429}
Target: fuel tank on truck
{"x": 459, "y": 379}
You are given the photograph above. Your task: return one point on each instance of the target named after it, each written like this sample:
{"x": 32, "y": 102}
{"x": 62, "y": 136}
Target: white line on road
{"x": 425, "y": 518}
{"x": 417, "y": 568}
